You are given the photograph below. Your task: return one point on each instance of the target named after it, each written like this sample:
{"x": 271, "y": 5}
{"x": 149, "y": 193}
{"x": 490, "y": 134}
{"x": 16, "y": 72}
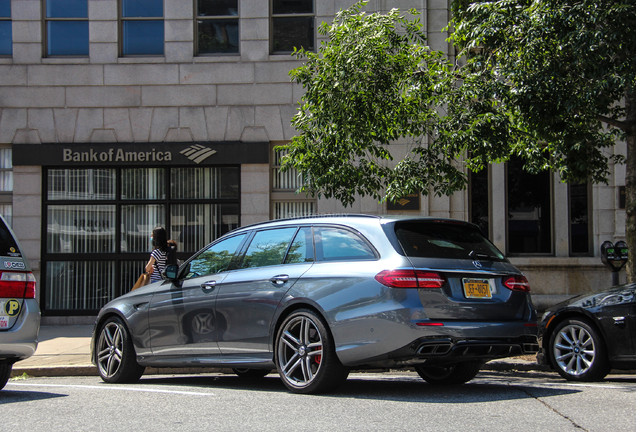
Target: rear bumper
{"x": 21, "y": 341}
{"x": 443, "y": 351}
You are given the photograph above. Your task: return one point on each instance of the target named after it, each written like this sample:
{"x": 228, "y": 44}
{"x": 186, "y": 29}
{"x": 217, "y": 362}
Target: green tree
{"x": 550, "y": 81}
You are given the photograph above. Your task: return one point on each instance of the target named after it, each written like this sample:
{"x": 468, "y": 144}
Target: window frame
{"x": 198, "y": 18}
{"x": 273, "y": 16}
{"x": 119, "y": 258}
{"x": 551, "y": 252}
{"x": 120, "y": 29}
{"x": 590, "y": 224}
{"x": 45, "y": 39}
{"x": 287, "y": 196}
{"x": 3, "y": 19}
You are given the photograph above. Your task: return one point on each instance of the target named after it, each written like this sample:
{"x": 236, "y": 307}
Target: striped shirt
{"x": 159, "y": 266}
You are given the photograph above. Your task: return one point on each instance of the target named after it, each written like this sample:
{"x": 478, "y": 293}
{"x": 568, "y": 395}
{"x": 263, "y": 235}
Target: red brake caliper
{"x": 318, "y": 357}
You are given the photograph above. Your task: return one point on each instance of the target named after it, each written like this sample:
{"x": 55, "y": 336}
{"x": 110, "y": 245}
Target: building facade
{"x": 120, "y": 115}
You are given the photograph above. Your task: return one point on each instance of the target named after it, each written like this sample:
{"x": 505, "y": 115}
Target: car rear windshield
{"x": 445, "y": 240}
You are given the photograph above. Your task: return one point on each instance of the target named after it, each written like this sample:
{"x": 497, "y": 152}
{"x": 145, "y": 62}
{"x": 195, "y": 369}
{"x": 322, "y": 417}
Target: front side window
{"x": 6, "y": 31}
{"x": 66, "y": 27}
{"x": 292, "y": 25}
{"x": 141, "y": 27}
{"x": 217, "y": 27}
{"x": 216, "y": 258}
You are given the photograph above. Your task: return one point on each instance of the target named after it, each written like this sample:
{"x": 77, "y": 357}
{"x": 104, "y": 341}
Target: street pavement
{"x": 64, "y": 350}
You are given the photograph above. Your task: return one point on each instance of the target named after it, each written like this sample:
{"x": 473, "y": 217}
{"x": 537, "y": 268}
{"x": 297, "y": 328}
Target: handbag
{"x": 144, "y": 279}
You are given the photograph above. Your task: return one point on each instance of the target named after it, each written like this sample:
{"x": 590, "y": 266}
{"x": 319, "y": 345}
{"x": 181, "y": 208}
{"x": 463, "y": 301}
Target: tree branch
{"x": 610, "y": 121}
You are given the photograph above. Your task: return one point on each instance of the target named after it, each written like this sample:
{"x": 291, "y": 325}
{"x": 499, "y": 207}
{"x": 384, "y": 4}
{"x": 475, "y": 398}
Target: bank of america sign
{"x": 197, "y": 153}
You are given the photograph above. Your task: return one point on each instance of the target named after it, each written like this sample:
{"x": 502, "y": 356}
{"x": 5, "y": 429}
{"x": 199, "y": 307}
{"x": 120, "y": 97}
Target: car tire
{"x": 305, "y": 354}
{"x": 116, "y": 357}
{"x": 458, "y": 373}
{"x": 5, "y": 373}
{"x": 577, "y": 351}
{"x": 249, "y": 374}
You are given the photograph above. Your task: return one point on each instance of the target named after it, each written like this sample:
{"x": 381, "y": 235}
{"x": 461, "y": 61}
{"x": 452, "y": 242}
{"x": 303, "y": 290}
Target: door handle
{"x": 279, "y": 279}
{"x": 209, "y": 285}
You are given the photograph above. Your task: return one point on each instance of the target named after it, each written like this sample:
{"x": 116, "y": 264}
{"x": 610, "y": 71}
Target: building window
{"x": 580, "y": 225}
{"x": 6, "y": 30}
{"x": 99, "y": 221}
{"x": 529, "y": 210}
{"x": 66, "y": 27}
{"x": 478, "y": 204}
{"x": 217, "y": 27}
{"x": 141, "y": 27}
{"x": 292, "y": 25}
{"x": 285, "y": 201}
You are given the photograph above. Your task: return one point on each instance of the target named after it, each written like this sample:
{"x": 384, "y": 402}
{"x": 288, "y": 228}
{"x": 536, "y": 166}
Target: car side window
{"x": 337, "y": 244}
{"x": 216, "y": 258}
{"x": 268, "y": 247}
{"x": 302, "y": 248}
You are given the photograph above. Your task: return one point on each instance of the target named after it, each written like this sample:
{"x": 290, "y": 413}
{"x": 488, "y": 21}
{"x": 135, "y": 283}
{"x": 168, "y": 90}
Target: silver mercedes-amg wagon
{"x": 316, "y": 297}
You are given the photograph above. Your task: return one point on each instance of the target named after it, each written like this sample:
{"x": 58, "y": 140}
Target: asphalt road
{"x": 493, "y": 401}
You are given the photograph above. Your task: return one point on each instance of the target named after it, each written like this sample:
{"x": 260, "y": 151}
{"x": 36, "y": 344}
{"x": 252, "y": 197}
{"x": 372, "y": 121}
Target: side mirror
{"x": 171, "y": 272}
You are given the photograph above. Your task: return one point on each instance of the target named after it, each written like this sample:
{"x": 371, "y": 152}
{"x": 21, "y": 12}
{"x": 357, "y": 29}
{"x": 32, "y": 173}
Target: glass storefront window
{"x": 99, "y": 223}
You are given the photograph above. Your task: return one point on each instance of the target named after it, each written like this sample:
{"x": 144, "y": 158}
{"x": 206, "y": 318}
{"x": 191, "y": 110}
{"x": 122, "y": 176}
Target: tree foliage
{"x": 365, "y": 90}
{"x": 542, "y": 80}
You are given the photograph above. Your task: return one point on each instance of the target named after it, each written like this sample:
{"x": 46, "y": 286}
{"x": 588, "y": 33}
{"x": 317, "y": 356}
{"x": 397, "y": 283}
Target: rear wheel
{"x": 116, "y": 357}
{"x": 305, "y": 354}
{"x": 577, "y": 351}
{"x": 458, "y": 373}
{"x": 5, "y": 373}
{"x": 251, "y": 373}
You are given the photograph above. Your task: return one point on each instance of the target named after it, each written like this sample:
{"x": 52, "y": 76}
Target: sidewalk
{"x": 65, "y": 351}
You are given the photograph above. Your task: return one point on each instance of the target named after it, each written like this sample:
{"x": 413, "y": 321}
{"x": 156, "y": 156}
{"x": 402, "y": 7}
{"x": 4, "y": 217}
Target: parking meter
{"x": 614, "y": 256}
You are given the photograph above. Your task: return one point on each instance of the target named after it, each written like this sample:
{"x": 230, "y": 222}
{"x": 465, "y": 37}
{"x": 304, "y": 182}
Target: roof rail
{"x": 314, "y": 216}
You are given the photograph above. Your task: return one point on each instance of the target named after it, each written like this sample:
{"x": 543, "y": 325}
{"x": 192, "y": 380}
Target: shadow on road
{"x": 376, "y": 387}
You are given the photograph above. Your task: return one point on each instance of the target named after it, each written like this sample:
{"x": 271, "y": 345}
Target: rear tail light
{"x": 410, "y": 279}
{"x": 17, "y": 285}
{"x": 517, "y": 283}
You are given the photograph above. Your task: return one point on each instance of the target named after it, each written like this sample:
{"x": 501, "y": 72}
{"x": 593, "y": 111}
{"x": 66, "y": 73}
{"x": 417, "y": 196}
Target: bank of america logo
{"x": 197, "y": 153}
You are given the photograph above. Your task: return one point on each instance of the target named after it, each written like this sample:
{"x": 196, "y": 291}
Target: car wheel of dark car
{"x": 577, "y": 351}
{"x": 251, "y": 373}
{"x": 116, "y": 355}
{"x": 306, "y": 356}
{"x": 5, "y": 373}
{"x": 458, "y": 373}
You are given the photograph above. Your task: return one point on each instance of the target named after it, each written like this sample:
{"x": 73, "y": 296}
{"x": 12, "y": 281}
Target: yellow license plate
{"x": 477, "y": 288}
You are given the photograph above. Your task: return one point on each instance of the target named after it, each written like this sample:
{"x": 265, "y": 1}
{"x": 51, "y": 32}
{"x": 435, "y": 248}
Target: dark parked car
{"x": 585, "y": 337}
{"x": 317, "y": 297}
{"x": 19, "y": 310}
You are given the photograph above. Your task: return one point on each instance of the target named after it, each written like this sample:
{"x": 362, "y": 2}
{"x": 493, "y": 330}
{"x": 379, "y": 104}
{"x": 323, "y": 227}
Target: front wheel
{"x": 5, "y": 373}
{"x": 305, "y": 354}
{"x": 116, "y": 357}
{"x": 458, "y": 373}
{"x": 577, "y": 351}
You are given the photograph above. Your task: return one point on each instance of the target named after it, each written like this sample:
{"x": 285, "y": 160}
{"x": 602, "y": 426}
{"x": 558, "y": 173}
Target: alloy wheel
{"x": 574, "y": 350}
{"x": 110, "y": 349}
{"x": 300, "y": 351}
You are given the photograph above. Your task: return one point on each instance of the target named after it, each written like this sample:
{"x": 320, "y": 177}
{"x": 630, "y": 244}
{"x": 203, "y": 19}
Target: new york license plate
{"x": 477, "y": 288}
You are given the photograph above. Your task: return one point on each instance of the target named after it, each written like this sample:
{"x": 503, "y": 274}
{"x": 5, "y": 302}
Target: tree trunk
{"x": 630, "y": 183}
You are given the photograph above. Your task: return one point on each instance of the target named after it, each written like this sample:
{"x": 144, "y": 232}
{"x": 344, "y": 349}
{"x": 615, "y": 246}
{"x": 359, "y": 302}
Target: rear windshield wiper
{"x": 480, "y": 255}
